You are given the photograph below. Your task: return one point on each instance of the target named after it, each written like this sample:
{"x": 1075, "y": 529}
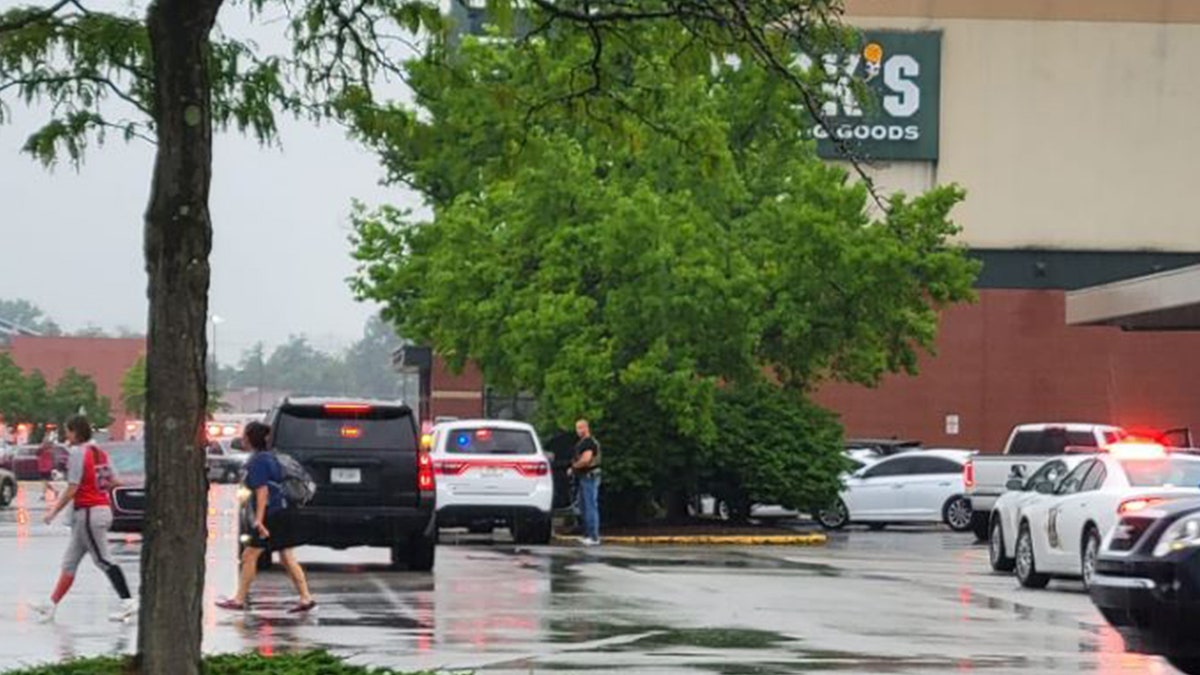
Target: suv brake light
{"x": 347, "y": 408}
{"x": 533, "y": 468}
{"x": 453, "y": 467}
{"x": 969, "y": 474}
{"x": 424, "y": 472}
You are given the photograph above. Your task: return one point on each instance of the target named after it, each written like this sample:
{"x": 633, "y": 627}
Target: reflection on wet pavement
{"x": 909, "y": 601}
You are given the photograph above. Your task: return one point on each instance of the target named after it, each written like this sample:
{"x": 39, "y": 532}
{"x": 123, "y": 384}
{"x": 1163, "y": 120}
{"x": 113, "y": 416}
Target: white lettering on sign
{"x": 906, "y": 100}
{"x": 899, "y": 71}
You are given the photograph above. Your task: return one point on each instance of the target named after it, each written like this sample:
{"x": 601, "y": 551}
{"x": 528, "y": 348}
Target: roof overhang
{"x": 1164, "y": 301}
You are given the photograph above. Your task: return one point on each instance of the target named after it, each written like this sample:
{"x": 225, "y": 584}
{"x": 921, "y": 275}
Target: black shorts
{"x": 279, "y": 525}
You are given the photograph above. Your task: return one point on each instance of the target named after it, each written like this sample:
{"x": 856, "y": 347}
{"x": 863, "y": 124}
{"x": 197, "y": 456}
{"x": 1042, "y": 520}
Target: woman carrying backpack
{"x": 269, "y": 526}
{"x": 89, "y": 478}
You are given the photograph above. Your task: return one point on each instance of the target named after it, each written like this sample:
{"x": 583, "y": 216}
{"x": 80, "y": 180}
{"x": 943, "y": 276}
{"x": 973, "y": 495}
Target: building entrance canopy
{"x": 1165, "y": 301}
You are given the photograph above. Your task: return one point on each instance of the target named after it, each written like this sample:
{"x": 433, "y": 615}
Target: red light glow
{"x": 347, "y": 408}
{"x": 351, "y": 431}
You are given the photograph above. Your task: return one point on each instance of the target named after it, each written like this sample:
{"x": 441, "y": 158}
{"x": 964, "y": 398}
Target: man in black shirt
{"x": 586, "y": 468}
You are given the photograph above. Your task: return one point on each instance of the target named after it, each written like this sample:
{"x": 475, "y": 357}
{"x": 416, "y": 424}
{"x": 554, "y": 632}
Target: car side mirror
{"x": 1045, "y": 488}
{"x": 1015, "y": 484}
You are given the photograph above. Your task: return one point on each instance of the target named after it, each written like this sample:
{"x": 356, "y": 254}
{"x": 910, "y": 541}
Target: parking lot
{"x": 911, "y": 600}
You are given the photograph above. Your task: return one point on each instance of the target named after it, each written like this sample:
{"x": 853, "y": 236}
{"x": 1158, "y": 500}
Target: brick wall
{"x": 1011, "y": 358}
{"x": 105, "y": 360}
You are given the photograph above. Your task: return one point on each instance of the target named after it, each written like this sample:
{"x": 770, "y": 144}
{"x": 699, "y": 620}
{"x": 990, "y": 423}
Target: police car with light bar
{"x": 1147, "y": 581}
{"x": 1060, "y": 537}
{"x": 492, "y": 473}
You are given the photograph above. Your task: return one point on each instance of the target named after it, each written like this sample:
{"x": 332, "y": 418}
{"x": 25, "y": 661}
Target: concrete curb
{"x": 815, "y": 539}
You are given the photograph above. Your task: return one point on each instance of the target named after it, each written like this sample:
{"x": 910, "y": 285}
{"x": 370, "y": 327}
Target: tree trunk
{"x": 178, "y": 238}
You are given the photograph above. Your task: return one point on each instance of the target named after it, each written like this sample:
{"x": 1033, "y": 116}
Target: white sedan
{"x": 1021, "y": 493}
{"x": 1060, "y": 537}
{"x": 921, "y": 486}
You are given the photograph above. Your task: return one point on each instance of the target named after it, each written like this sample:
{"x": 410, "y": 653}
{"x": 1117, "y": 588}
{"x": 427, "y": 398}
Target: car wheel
{"x": 957, "y": 513}
{"x": 1186, "y": 664}
{"x": 980, "y": 525}
{"x": 834, "y": 517}
{"x": 996, "y": 553}
{"x": 231, "y": 476}
{"x": 1088, "y": 556}
{"x": 418, "y": 555}
{"x": 8, "y": 492}
{"x": 1026, "y": 569}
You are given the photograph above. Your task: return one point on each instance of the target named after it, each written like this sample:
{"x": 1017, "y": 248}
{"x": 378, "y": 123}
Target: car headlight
{"x": 1182, "y": 534}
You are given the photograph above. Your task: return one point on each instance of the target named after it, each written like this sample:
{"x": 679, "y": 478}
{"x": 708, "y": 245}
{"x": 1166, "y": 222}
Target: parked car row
{"x": 1120, "y": 514}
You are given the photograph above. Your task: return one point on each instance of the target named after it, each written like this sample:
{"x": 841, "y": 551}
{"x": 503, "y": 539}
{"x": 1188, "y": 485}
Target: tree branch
{"x": 26, "y": 19}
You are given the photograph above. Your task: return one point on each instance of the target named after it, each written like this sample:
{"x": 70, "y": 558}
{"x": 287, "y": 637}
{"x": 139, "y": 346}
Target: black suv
{"x": 374, "y": 484}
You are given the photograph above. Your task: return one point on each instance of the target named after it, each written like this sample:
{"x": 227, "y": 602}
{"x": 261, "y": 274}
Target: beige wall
{"x": 1080, "y": 133}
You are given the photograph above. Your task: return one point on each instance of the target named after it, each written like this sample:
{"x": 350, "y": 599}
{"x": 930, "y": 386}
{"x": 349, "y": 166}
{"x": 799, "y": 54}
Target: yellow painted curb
{"x": 815, "y": 539}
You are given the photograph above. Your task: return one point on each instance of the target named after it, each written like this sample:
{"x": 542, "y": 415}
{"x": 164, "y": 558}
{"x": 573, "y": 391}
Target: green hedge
{"x": 307, "y": 663}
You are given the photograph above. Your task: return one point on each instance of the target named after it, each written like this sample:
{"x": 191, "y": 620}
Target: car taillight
{"x": 449, "y": 467}
{"x": 424, "y": 472}
{"x": 1140, "y": 504}
{"x": 969, "y": 474}
{"x": 533, "y": 468}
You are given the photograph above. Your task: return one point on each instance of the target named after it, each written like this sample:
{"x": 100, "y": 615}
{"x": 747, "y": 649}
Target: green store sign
{"x": 901, "y": 73}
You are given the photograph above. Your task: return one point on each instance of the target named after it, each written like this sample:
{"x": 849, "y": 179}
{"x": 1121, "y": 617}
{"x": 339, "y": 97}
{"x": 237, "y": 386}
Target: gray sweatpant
{"x": 89, "y": 535}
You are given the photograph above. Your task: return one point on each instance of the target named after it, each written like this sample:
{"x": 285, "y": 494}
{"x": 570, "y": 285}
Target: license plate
{"x": 345, "y": 476}
{"x": 490, "y": 472}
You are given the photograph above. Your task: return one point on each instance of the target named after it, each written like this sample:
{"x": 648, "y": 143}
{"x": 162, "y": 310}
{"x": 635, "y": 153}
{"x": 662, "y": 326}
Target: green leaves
{"x": 643, "y": 253}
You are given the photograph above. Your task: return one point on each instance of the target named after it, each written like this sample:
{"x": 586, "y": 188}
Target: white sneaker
{"x": 45, "y": 611}
{"x": 128, "y": 610}
{"x": 588, "y": 541}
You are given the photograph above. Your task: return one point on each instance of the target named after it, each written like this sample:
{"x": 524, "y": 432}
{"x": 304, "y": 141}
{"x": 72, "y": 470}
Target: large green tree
{"x": 624, "y": 255}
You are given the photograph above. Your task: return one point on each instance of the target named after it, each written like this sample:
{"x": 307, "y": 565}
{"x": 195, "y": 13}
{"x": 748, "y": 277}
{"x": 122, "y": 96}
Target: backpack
{"x": 297, "y": 486}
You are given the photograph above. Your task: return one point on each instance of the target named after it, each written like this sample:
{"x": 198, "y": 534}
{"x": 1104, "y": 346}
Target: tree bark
{"x": 178, "y": 238}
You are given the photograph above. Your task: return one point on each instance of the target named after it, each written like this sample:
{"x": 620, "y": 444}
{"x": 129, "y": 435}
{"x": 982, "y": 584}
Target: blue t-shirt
{"x": 263, "y": 469}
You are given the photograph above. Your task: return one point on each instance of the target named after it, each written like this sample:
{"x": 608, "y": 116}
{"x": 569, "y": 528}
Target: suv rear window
{"x": 484, "y": 441}
{"x": 1052, "y": 441}
{"x": 314, "y": 427}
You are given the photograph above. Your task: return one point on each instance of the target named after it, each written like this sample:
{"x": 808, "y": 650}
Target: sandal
{"x": 231, "y": 604}
{"x": 304, "y": 607}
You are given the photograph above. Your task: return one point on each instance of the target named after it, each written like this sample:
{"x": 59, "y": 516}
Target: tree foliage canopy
{"x": 625, "y": 255}
{"x": 576, "y": 260}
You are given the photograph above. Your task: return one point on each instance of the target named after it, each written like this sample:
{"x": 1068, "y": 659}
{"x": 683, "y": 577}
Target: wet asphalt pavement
{"x": 899, "y": 601}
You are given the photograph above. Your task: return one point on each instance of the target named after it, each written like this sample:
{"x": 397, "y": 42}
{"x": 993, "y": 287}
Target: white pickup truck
{"x": 1029, "y": 446}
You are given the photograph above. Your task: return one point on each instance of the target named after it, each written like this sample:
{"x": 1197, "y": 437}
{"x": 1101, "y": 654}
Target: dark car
{"x": 27, "y": 463}
{"x": 1147, "y": 581}
{"x": 129, "y": 496}
{"x": 374, "y": 484}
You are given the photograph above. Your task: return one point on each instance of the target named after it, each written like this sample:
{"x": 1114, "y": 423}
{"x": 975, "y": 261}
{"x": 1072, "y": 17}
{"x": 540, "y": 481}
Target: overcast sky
{"x": 72, "y": 241}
